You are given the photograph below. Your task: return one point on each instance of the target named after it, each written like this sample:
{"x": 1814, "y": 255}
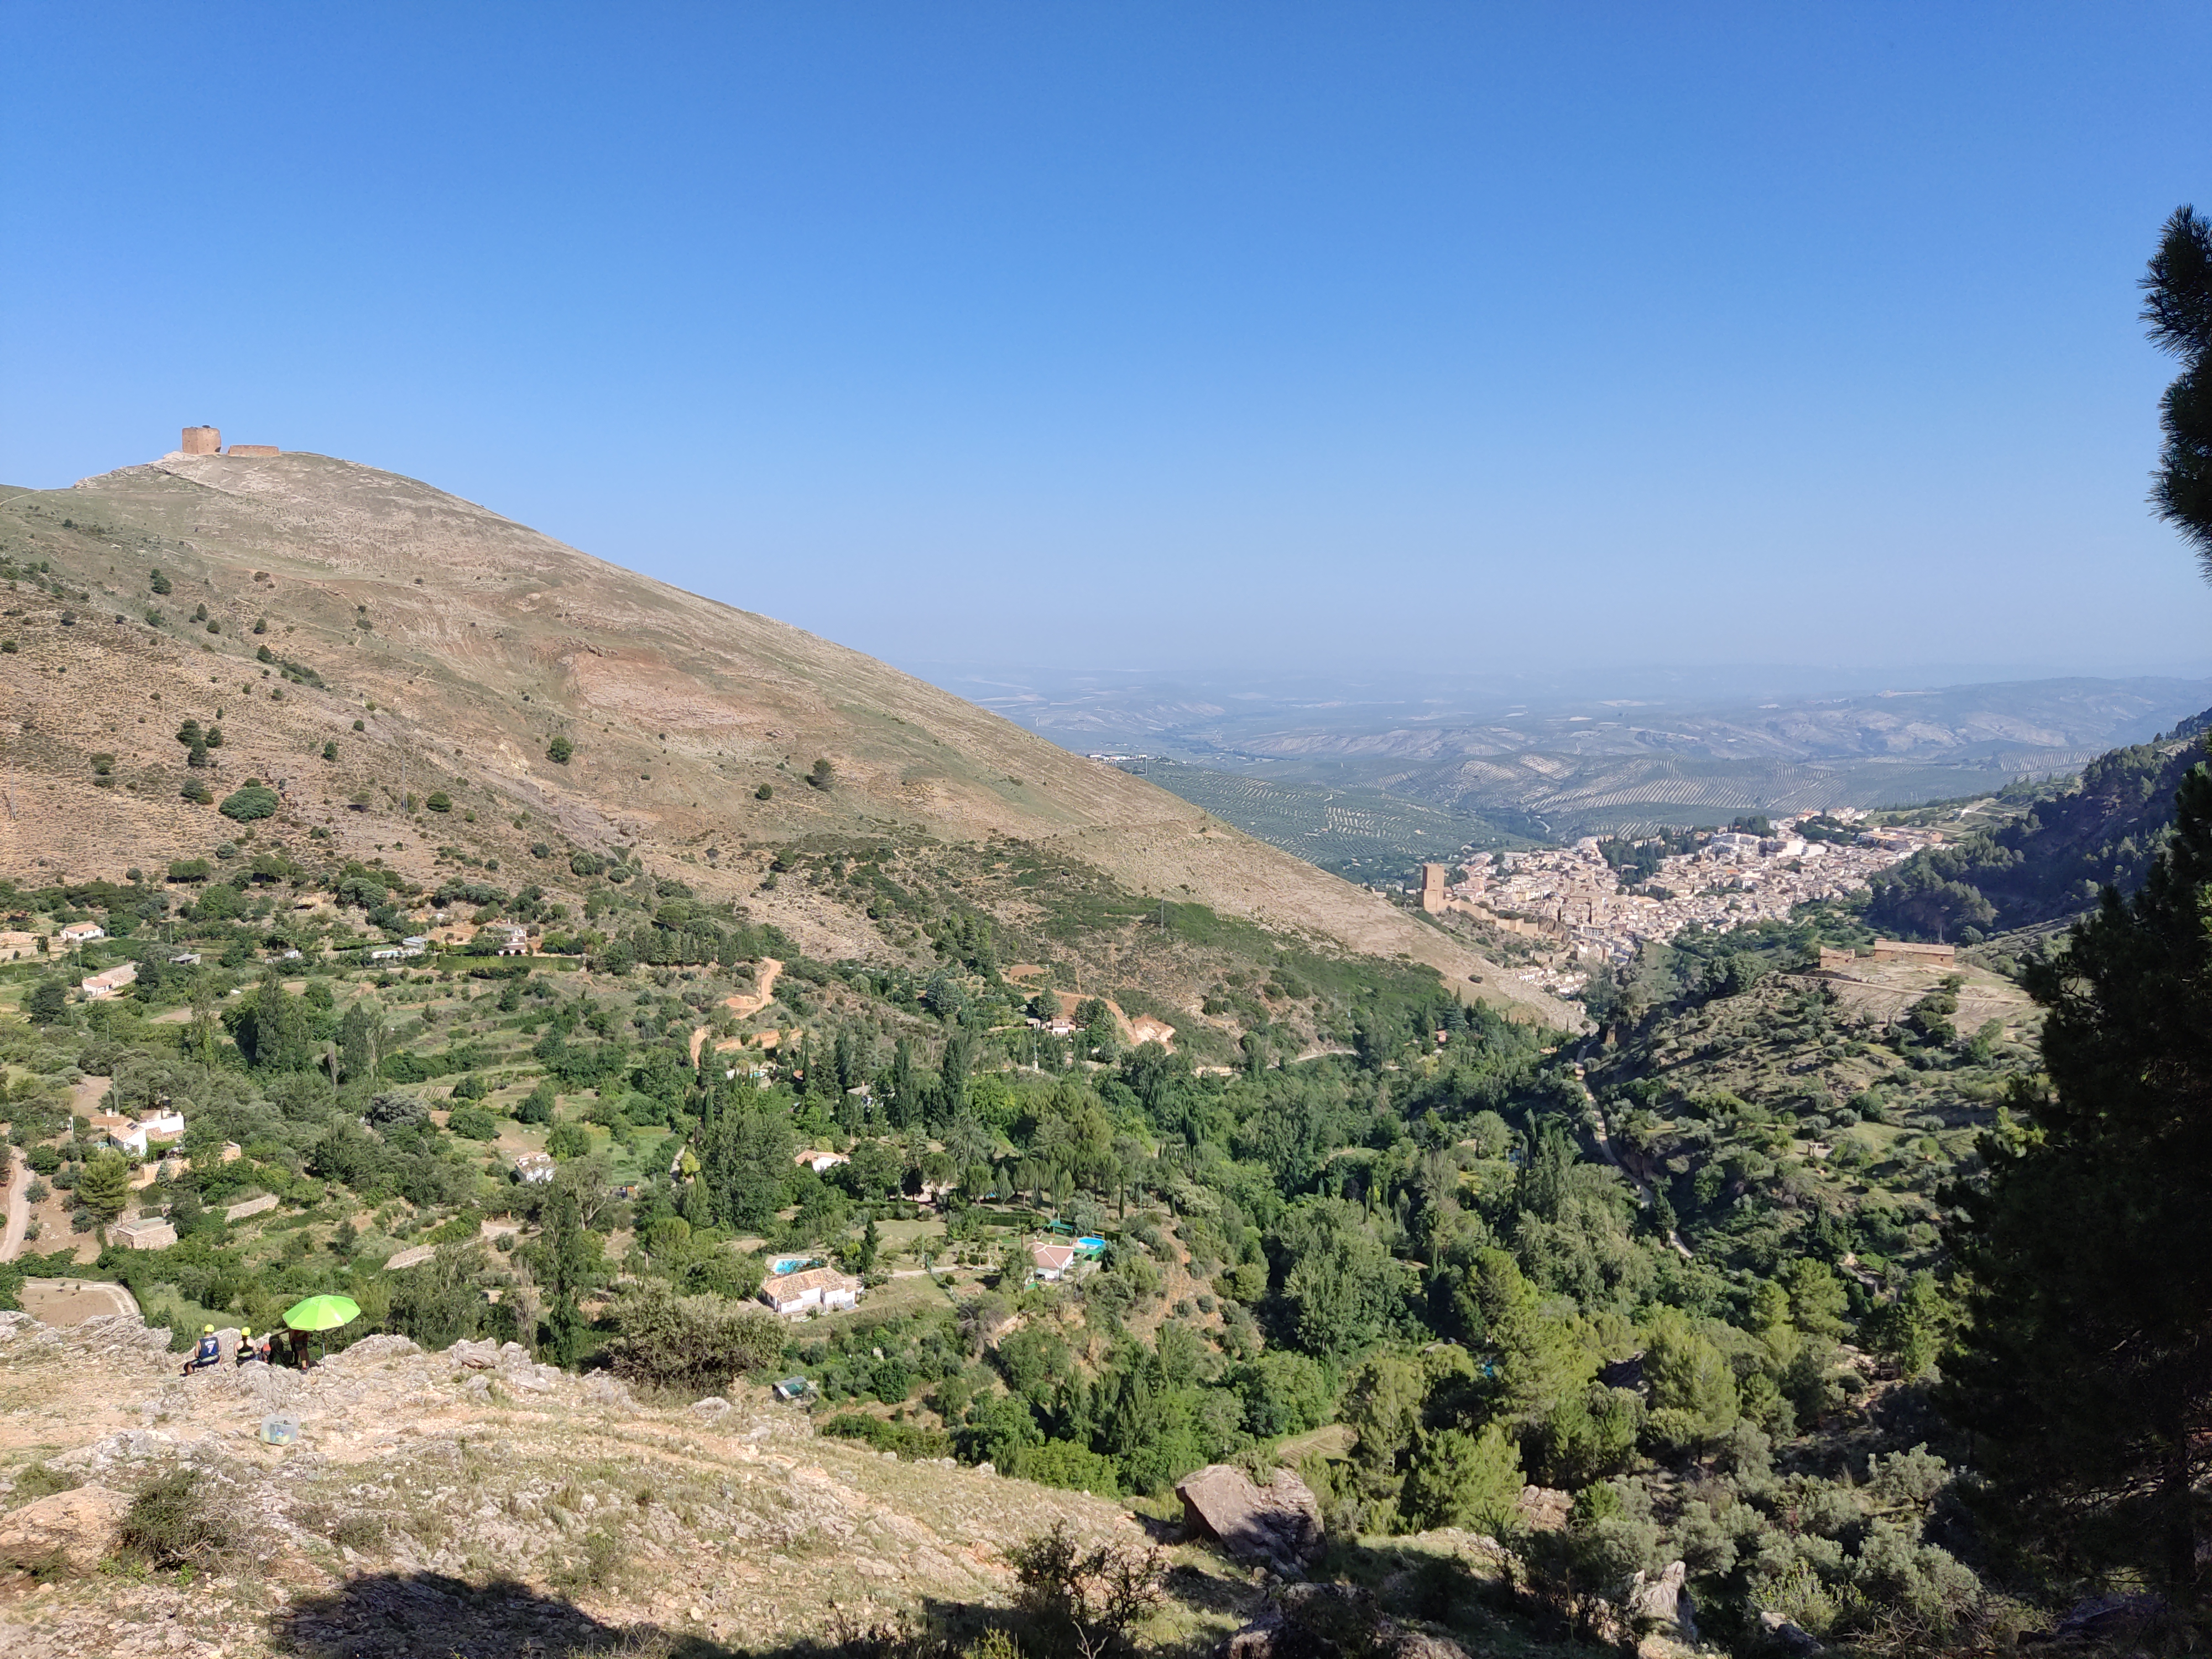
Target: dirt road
{"x": 19, "y": 1205}
{"x": 745, "y": 1004}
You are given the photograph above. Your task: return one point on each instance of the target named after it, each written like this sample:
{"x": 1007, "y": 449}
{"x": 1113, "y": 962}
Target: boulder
{"x": 71, "y": 1531}
{"x": 370, "y": 1350}
{"x": 474, "y": 1356}
{"x": 1785, "y": 1635}
{"x": 1662, "y": 1605}
{"x": 1278, "y": 1525}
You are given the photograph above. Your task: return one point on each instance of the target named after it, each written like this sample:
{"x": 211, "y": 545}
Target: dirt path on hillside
{"x": 19, "y": 1207}
{"x": 743, "y": 1005}
{"x": 1602, "y": 1133}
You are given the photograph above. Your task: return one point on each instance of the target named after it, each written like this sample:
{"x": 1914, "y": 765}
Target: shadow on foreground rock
{"x": 402, "y": 1615}
{"x": 412, "y": 1615}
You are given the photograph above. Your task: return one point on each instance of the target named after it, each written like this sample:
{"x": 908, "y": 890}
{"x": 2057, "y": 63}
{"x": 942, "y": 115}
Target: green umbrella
{"x": 322, "y": 1312}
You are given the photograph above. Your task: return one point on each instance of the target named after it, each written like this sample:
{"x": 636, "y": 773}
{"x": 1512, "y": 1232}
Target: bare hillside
{"x": 441, "y": 649}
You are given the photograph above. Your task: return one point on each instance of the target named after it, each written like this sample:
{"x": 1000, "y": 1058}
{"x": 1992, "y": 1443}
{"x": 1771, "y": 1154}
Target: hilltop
{"x": 372, "y": 647}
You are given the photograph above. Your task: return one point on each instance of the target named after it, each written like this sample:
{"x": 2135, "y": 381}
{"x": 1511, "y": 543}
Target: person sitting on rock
{"x": 249, "y": 1350}
{"x": 209, "y": 1351}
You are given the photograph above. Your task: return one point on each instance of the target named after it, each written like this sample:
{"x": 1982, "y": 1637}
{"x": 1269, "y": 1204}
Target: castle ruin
{"x": 208, "y": 441}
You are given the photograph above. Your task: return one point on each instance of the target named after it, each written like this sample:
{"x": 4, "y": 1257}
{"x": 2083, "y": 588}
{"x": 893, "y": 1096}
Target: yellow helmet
{"x": 244, "y": 1331}
{"x": 207, "y": 1330}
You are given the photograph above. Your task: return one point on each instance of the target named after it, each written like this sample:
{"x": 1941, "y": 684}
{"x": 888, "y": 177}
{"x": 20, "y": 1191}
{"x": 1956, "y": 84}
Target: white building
{"x": 817, "y": 1290}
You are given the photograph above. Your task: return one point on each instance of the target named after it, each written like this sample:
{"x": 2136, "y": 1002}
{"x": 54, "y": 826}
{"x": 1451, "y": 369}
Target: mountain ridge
{"x": 465, "y": 642}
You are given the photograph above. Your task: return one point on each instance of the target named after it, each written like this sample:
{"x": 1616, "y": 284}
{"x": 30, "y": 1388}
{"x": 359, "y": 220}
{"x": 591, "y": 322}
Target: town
{"x": 1601, "y": 908}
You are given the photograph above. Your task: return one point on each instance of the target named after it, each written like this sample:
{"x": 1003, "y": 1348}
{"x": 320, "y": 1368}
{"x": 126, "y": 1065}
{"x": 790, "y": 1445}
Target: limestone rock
{"x": 1544, "y": 1508}
{"x": 1663, "y": 1603}
{"x": 370, "y": 1350}
{"x": 466, "y": 1355}
{"x": 1277, "y": 1524}
{"x": 74, "y": 1530}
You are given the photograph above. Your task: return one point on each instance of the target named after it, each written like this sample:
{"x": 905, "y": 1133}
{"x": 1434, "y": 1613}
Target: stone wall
{"x": 201, "y": 440}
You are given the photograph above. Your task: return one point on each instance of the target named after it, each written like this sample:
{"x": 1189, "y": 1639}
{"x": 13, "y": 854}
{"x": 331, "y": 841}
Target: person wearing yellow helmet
{"x": 209, "y": 1351}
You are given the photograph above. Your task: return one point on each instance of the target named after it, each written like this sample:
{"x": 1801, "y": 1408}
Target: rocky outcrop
{"x": 1277, "y": 1525}
{"x": 71, "y": 1532}
{"x": 1661, "y": 1605}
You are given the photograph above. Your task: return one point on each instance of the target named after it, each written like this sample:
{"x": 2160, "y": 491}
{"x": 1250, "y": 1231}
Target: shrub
{"x": 173, "y": 1523}
{"x": 196, "y": 791}
{"x": 473, "y": 1123}
{"x": 330, "y": 750}
{"x": 765, "y": 792}
{"x": 690, "y": 1341}
{"x": 250, "y": 801}
{"x": 438, "y": 801}
{"x": 559, "y": 751}
{"x": 1096, "y": 1594}
{"x": 823, "y": 776}
{"x": 569, "y": 1140}
{"x": 906, "y": 1439}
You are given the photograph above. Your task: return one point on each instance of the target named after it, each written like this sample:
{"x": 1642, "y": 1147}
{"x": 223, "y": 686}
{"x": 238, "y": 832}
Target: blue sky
{"x": 1455, "y": 338}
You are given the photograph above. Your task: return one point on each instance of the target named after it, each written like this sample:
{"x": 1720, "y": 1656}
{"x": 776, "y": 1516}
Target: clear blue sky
{"x": 1450, "y": 336}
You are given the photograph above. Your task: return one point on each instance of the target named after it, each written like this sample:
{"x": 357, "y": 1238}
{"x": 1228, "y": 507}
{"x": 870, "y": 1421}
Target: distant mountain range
{"x": 1547, "y": 763}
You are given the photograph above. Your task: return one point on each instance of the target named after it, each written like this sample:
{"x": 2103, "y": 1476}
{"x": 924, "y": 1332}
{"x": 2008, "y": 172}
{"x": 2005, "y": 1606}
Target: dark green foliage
{"x": 2177, "y": 306}
{"x": 560, "y": 751}
{"x": 47, "y": 1003}
{"x": 693, "y": 1342}
{"x": 2087, "y": 1361}
{"x": 251, "y": 801}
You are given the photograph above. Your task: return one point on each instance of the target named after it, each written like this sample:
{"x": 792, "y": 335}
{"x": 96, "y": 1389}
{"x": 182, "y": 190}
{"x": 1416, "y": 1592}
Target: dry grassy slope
{"x": 484, "y": 640}
{"x": 736, "y": 1524}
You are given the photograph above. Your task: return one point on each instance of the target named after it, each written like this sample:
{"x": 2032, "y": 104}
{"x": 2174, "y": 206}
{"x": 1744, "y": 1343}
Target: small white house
{"x": 818, "y": 1161}
{"x": 77, "y": 932}
{"x": 534, "y": 1168}
{"x": 110, "y": 982}
{"x": 1050, "y": 1262}
{"x": 817, "y": 1290}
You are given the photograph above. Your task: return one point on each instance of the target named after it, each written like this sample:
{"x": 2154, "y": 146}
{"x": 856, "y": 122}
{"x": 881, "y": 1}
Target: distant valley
{"x": 1349, "y": 772}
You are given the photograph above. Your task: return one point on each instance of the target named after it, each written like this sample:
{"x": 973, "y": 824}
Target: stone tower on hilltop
{"x": 203, "y": 440}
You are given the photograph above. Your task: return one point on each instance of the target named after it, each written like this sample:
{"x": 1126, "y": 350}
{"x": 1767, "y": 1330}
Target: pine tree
{"x": 2086, "y": 1366}
{"x": 2087, "y": 1363}
{"x": 2177, "y": 306}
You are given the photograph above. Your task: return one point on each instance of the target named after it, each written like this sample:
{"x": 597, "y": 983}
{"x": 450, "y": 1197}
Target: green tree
{"x": 47, "y": 1002}
{"x": 103, "y": 1184}
{"x": 2087, "y": 1361}
{"x": 2177, "y": 306}
{"x": 2086, "y": 1364}
{"x": 560, "y": 751}
{"x": 1462, "y": 1479}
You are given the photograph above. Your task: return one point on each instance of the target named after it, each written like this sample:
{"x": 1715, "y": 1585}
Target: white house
{"x": 78, "y": 933}
{"x": 818, "y": 1161}
{"x": 100, "y": 985}
{"x": 534, "y": 1168}
{"x": 1051, "y": 1262}
{"x": 815, "y": 1290}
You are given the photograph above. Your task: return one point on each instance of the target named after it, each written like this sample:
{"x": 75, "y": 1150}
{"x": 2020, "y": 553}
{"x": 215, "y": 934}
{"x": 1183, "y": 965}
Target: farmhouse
{"x": 100, "y": 985}
{"x": 815, "y": 1290}
{"x": 1051, "y": 1262}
